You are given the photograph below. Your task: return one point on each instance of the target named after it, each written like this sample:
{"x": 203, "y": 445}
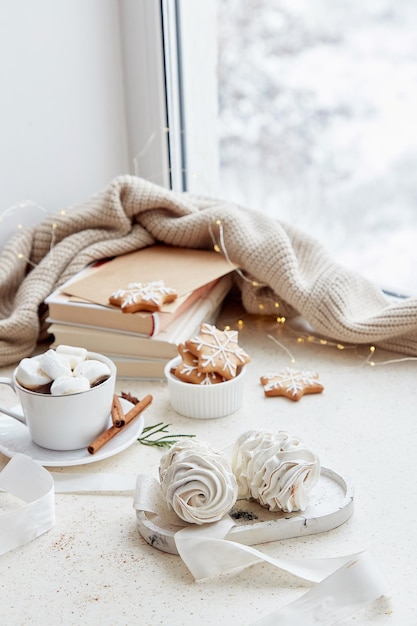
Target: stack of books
{"x": 139, "y": 343}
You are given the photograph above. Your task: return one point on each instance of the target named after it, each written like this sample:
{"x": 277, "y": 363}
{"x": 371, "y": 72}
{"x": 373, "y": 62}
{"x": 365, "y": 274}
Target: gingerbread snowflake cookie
{"x": 218, "y": 351}
{"x": 188, "y": 371}
{"x": 291, "y": 383}
{"x": 143, "y": 297}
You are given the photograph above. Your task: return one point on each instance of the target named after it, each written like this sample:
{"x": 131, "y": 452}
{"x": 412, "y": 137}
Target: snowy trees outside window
{"x": 317, "y": 110}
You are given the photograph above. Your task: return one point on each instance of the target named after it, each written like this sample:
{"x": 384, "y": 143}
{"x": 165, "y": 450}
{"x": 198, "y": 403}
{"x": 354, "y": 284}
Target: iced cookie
{"x": 291, "y": 383}
{"x": 143, "y": 297}
{"x": 218, "y": 351}
{"x": 188, "y": 370}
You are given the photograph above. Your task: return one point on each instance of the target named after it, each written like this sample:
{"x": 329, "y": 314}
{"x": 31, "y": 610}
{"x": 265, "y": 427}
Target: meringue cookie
{"x": 66, "y": 385}
{"x": 54, "y": 365}
{"x": 275, "y": 469}
{"x": 74, "y": 354}
{"x": 30, "y": 375}
{"x": 94, "y": 370}
{"x": 197, "y": 482}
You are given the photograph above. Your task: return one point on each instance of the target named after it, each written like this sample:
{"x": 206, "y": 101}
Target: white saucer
{"x": 15, "y": 438}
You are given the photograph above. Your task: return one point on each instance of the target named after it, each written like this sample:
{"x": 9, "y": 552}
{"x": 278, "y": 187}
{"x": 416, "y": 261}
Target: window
{"x": 190, "y": 45}
{"x": 313, "y": 120}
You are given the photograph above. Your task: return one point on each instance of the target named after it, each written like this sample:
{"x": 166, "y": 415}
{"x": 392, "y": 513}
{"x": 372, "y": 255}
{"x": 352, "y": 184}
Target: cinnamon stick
{"x": 111, "y": 432}
{"x": 117, "y": 415}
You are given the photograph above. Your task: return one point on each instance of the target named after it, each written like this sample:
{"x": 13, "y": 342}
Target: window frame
{"x": 199, "y": 84}
{"x": 169, "y": 54}
{"x": 141, "y": 43}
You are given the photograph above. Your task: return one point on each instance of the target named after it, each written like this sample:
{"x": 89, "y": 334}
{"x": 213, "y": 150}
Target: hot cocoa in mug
{"x": 65, "y": 395}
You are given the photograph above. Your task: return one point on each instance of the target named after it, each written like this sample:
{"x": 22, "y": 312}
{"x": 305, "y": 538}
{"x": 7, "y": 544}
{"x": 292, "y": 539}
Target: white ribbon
{"x": 36, "y": 487}
{"x": 79, "y": 483}
{"x": 343, "y": 584}
{"x": 32, "y": 484}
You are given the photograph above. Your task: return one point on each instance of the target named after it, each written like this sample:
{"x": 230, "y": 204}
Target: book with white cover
{"x": 146, "y": 369}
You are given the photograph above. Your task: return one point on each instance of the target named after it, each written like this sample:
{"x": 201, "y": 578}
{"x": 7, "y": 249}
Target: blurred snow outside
{"x": 317, "y": 124}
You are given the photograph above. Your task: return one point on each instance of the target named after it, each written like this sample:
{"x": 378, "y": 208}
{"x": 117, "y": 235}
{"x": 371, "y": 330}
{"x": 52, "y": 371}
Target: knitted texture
{"x": 132, "y": 213}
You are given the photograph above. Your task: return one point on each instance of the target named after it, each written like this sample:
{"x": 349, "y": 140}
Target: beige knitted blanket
{"x": 131, "y": 213}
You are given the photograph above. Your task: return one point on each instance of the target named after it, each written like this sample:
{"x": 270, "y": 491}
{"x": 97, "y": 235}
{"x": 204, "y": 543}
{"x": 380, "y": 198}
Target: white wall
{"x": 62, "y": 109}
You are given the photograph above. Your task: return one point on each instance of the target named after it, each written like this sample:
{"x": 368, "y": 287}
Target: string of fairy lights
{"x": 20, "y": 227}
{"x": 300, "y": 338}
{"x": 219, "y": 246}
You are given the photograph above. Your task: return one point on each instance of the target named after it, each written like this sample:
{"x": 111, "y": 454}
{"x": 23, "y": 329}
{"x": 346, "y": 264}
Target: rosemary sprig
{"x": 166, "y": 441}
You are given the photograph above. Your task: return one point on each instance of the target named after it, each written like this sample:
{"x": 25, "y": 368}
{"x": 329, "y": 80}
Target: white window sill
{"x": 363, "y": 425}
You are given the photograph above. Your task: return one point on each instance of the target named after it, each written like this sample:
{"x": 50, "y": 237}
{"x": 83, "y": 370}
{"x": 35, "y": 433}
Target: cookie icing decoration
{"x": 218, "y": 351}
{"x": 188, "y": 370}
{"x": 291, "y": 383}
{"x": 143, "y": 297}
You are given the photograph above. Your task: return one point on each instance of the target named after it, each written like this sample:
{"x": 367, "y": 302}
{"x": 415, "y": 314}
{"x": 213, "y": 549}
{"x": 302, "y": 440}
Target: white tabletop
{"x": 93, "y": 565}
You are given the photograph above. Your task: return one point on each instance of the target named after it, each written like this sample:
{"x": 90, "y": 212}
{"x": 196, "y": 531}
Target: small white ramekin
{"x": 204, "y": 401}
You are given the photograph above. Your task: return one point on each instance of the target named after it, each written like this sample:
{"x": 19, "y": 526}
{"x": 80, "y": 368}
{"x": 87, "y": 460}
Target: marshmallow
{"x": 65, "y": 385}
{"x": 74, "y": 354}
{"x": 94, "y": 370}
{"x": 30, "y": 375}
{"x": 54, "y": 365}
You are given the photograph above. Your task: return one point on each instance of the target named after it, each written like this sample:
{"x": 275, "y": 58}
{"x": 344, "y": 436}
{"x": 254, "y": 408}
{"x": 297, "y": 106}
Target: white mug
{"x": 66, "y": 422}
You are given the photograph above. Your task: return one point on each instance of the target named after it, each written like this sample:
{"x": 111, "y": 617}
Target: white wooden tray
{"x": 330, "y": 506}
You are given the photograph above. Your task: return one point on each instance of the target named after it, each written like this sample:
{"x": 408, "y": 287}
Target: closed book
{"x": 146, "y": 369}
{"x": 84, "y": 299}
{"x": 68, "y": 309}
{"x": 111, "y": 342}
{"x": 162, "y": 346}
